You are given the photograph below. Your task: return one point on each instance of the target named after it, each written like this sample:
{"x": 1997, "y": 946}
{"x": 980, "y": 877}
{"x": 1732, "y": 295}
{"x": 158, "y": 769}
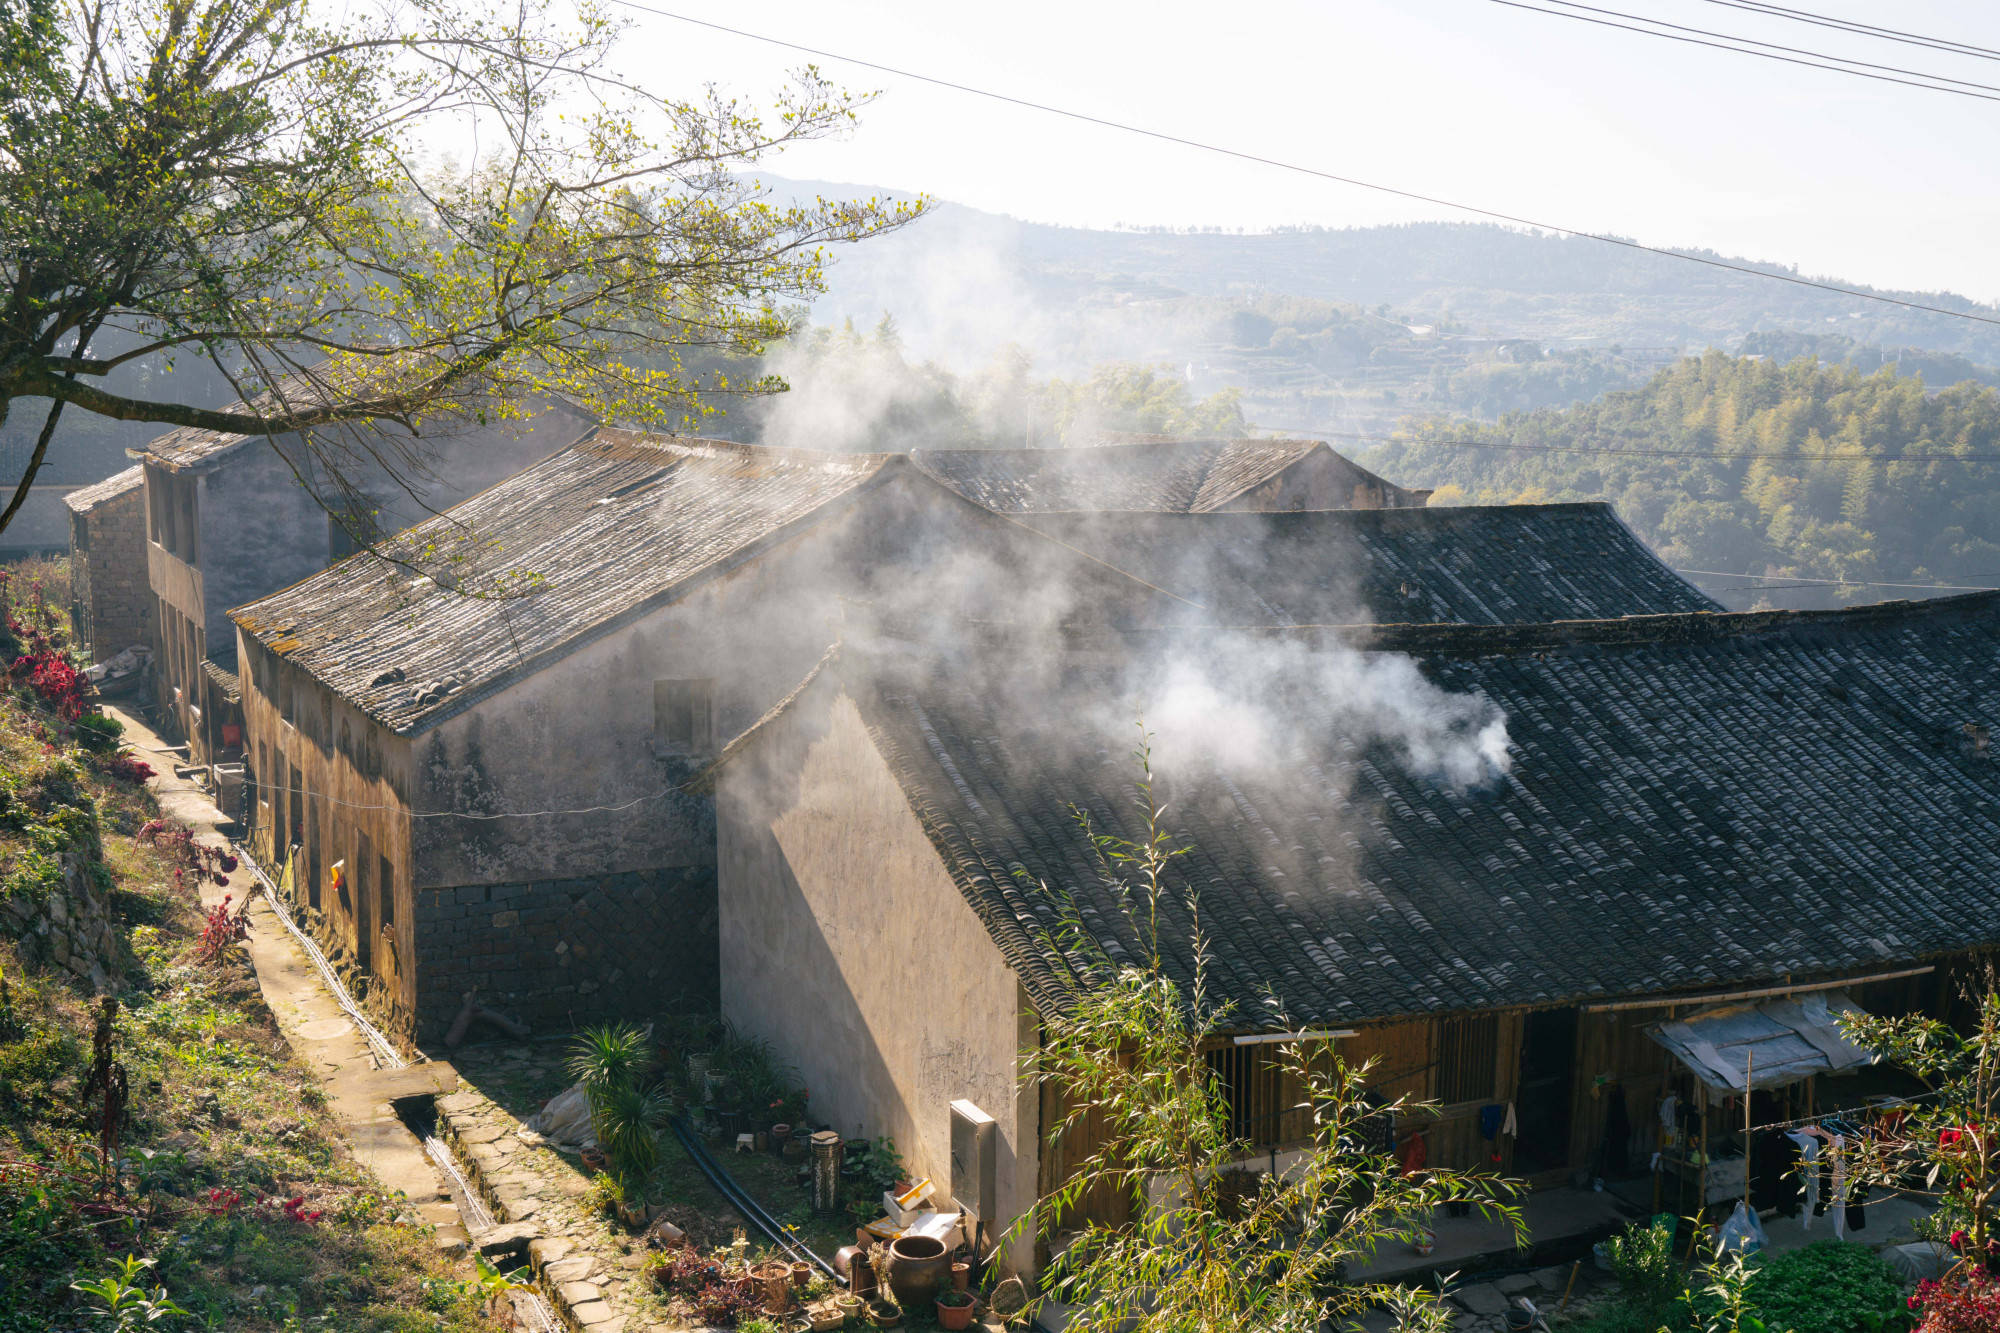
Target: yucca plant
{"x": 627, "y": 1129}
{"x": 608, "y": 1062}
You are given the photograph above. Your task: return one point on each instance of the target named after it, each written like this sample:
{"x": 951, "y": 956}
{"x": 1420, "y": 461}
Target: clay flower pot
{"x": 961, "y": 1277}
{"x": 850, "y": 1307}
{"x": 954, "y": 1316}
{"x": 773, "y": 1279}
{"x": 594, "y": 1160}
{"x": 801, "y": 1273}
{"x": 884, "y": 1315}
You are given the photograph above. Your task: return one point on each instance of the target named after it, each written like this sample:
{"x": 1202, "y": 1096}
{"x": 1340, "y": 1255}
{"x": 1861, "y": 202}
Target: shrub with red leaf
{"x": 221, "y": 928}
{"x": 1967, "y": 1300}
{"x": 128, "y": 768}
{"x": 293, "y": 1210}
{"x": 193, "y": 861}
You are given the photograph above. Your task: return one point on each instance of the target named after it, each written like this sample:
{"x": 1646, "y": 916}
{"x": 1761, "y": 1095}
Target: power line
{"x": 1243, "y": 155}
{"x": 1740, "y": 50}
{"x": 1518, "y": 447}
{"x": 635, "y": 802}
{"x": 1774, "y": 46}
{"x": 1790, "y": 581}
{"x": 1859, "y": 28}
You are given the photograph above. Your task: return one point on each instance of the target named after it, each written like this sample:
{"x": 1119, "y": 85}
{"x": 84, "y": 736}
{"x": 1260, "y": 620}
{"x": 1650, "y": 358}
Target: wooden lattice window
{"x": 1468, "y": 1057}
{"x": 1253, "y": 1079}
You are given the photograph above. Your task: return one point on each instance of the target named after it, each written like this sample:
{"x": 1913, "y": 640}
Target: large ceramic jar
{"x": 919, "y": 1268}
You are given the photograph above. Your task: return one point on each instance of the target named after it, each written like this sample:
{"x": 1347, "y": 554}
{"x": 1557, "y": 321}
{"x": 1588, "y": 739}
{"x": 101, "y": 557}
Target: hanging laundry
{"x": 1808, "y": 1145}
{"x": 1510, "y": 1125}
{"x": 1489, "y": 1120}
{"x": 1839, "y": 1189}
{"x": 1416, "y": 1152}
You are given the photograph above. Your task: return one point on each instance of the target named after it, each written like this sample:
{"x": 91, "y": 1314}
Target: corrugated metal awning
{"x": 1773, "y": 1042}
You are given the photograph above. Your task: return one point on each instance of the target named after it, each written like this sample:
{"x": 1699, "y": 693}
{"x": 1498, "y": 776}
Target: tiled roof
{"x": 1185, "y": 476}
{"x": 609, "y": 527}
{"x": 1694, "y": 801}
{"x": 1505, "y": 564}
{"x": 86, "y": 498}
{"x": 191, "y": 446}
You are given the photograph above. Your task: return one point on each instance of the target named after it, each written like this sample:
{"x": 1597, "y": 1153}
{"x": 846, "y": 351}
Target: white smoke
{"x": 1247, "y": 705}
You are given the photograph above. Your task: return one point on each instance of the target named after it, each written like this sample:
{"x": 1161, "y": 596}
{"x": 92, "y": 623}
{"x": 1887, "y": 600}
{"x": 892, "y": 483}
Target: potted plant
{"x": 885, "y": 1314}
{"x": 954, "y": 1309}
{"x": 849, "y": 1305}
{"x": 773, "y": 1279}
{"x": 715, "y": 1305}
{"x": 802, "y": 1273}
{"x": 625, "y": 1117}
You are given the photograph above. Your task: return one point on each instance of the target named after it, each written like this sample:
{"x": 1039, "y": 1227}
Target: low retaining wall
{"x": 557, "y": 954}
{"x": 69, "y": 926}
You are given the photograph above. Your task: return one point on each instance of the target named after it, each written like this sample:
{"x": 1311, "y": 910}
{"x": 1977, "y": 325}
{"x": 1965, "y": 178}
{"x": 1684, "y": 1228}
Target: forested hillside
{"x": 1796, "y": 470}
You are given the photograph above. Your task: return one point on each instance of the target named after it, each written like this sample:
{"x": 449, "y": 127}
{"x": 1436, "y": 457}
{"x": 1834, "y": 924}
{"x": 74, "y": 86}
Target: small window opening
{"x": 684, "y": 715}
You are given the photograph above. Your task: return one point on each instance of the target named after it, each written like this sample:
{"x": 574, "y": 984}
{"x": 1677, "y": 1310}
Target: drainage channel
{"x": 470, "y": 1206}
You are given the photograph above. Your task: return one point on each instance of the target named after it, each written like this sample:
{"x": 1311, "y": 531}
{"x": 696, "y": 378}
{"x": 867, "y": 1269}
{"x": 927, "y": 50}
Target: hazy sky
{"x": 1578, "y": 125}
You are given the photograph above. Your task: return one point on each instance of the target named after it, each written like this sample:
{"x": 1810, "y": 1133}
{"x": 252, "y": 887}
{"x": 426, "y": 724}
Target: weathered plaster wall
{"x": 260, "y": 530}
{"x": 560, "y": 953}
{"x": 354, "y": 779}
{"x": 847, "y": 946}
{"x": 111, "y": 592}
{"x": 579, "y": 734}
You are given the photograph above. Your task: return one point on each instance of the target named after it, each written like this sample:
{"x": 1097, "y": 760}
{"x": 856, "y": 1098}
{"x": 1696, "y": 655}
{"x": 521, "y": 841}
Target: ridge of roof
{"x": 704, "y": 779}
{"x": 1497, "y": 564}
{"x": 1459, "y": 639}
{"x": 982, "y": 474}
{"x": 86, "y": 498}
{"x": 189, "y": 447}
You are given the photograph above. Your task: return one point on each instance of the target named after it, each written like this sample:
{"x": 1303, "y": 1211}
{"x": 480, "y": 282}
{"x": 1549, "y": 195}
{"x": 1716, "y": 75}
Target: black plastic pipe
{"x": 739, "y": 1198}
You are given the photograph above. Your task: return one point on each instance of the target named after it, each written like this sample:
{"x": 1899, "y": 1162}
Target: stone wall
{"x": 70, "y": 929}
{"x": 561, "y": 953}
{"x": 112, "y": 596}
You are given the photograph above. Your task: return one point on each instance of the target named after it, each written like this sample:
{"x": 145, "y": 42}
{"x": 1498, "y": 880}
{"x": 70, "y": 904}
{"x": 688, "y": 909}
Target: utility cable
{"x": 1244, "y": 155}
{"x": 1519, "y": 447}
{"x": 1727, "y": 45}
{"x": 1861, "y": 29}
{"x": 1772, "y": 46}
{"x": 504, "y": 814}
{"x": 1799, "y": 581}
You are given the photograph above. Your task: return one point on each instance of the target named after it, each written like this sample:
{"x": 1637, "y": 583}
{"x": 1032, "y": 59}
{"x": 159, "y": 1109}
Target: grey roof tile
{"x": 617, "y": 523}
{"x": 1499, "y": 564}
{"x": 1743, "y": 826}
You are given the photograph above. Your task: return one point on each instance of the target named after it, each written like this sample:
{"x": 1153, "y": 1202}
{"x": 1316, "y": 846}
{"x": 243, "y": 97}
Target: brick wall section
{"x": 111, "y": 590}
{"x": 560, "y": 953}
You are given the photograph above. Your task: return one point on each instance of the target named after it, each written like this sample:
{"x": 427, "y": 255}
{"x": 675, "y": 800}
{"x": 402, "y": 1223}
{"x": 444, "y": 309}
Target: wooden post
{"x": 1701, "y": 1187}
{"x": 1749, "y": 1059}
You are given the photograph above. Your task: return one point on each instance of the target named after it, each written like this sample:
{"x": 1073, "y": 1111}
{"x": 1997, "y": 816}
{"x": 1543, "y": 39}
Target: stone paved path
{"x": 591, "y": 1268}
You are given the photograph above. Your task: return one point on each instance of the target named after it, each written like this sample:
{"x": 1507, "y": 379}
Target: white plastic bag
{"x": 1742, "y": 1233}
{"x": 566, "y": 1119}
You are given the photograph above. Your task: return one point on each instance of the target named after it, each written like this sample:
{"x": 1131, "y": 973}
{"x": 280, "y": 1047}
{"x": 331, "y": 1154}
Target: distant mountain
{"x": 1351, "y": 329}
